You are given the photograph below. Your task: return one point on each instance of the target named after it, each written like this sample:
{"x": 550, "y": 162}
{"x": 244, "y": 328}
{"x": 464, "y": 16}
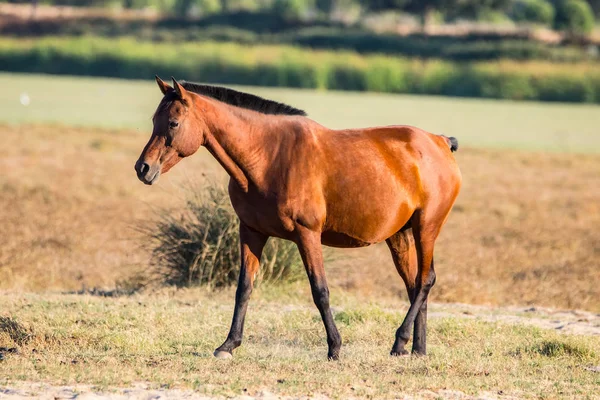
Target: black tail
{"x": 453, "y": 144}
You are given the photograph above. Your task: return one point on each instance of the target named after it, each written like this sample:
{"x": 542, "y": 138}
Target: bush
{"x": 269, "y": 28}
{"x": 537, "y": 11}
{"x": 201, "y": 245}
{"x": 15, "y": 331}
{"x": 565, "y": 88}
{"x": 290, "y": 9}
{"x": 574, "y": 16}
{"x": 229, "y": 63}
{"x": 558, "y": 348}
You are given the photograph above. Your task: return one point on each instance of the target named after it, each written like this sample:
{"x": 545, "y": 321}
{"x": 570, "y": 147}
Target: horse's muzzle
{"x": 147, "y": 173}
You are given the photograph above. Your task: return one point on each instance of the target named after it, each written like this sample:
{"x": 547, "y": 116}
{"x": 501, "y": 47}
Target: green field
{"x": 475, "y": 122}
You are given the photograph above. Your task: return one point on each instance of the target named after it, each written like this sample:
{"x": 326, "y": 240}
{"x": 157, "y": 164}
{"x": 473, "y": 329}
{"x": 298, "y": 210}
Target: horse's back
{"x": 392, "y": 155}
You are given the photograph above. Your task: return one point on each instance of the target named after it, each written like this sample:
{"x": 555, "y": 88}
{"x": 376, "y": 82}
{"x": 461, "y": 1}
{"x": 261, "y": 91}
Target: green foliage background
{"x": 230, "y": 63}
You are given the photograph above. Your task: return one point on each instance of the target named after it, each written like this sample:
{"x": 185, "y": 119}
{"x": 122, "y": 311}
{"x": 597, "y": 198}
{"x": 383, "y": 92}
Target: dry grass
{"x": 524, "y": 230}
{"x": 168, "y": 340}
{"x": 70, "y": 201}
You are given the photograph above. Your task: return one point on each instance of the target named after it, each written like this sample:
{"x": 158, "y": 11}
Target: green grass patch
{"x": 363, "y": 315}
{"x": 113, "y": 103}
{"x": 558, "y": 348}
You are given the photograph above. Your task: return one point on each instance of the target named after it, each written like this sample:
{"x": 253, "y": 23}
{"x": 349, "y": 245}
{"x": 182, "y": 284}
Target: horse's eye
{"x": 173, "y": 124}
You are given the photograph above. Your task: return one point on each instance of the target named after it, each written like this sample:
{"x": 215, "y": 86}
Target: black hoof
{"x": 222, "y": 354}
{"x": 399, "y": 353}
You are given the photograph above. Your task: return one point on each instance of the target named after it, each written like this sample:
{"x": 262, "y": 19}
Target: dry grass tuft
{"x": 15, "y": 331}
{"x": 559, "y": 348}
{"x": 200, "y": 245}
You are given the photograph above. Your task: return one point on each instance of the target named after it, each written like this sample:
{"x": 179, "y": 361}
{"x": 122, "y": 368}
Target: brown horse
{"x": 294, "y": 179}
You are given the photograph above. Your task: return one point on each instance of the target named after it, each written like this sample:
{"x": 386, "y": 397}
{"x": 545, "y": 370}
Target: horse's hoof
{"x": 222, "y": 354}
{"x": 401, "y": 353}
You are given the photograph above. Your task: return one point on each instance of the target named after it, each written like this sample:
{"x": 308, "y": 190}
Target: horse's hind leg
{"x": 402, "y": 247}
{"x": 419, "y": 346}
{"x": 425, "y": 233}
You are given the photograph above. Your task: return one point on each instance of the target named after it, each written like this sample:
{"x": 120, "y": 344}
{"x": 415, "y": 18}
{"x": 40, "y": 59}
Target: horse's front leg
{"x": 251, "y": 246}
{"x": 309, "y": 245}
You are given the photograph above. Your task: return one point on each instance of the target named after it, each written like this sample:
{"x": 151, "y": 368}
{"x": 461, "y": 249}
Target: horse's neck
{"x": 240, "y": 143}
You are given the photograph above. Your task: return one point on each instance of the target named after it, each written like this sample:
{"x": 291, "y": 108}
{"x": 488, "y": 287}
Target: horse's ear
{"x": 164, "y": 86}
{"x": 180, "y": 90}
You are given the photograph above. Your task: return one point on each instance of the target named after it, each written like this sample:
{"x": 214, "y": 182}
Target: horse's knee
{"x": 243, "y": 295}
{"x": 335, "y": 341}
{"x": 321, "y": 295}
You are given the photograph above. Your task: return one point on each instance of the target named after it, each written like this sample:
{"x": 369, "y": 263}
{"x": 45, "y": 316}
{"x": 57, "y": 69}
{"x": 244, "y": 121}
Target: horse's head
{"x": 177, "y": 133}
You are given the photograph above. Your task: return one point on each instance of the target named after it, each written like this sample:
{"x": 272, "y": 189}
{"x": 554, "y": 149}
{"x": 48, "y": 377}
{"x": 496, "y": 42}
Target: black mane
{"x": 241, "y": 99}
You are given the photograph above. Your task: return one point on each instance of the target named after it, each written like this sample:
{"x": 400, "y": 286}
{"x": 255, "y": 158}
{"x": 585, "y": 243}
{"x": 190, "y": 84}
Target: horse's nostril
{"x": 144, "y": 168}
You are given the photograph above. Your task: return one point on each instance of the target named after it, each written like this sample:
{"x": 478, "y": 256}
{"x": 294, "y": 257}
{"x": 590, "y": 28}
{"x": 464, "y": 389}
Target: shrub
{"x": 325, "y": 6}
{"x": 345, "y": 72}
{"x": 507, "y": 86}
{"x": 291, "y": 9}
{"x": 230, "y": 63}
{"x": 571, "y": 88}
{"x": 383, "y": 76}
{"x": 184, "y": 8}
{"x": 574, "y": 16}
{"x": 558, "y": 348}
{"x": 15, "y": 331}
{"x": 537, "y": 11}
{"x": 253, "y": 28}
{"x": 201, "y": 245}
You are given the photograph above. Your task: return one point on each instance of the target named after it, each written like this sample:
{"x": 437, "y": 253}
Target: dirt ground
{"x": 141, "y": 392}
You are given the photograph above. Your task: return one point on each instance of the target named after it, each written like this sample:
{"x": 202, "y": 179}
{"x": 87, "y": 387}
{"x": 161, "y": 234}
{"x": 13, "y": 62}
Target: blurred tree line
{"x": 573, "y": 16}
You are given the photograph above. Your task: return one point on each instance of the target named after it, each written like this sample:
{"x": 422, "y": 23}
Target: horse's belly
{"x": 363, "y": 227}
{"x": 337, "y": 239}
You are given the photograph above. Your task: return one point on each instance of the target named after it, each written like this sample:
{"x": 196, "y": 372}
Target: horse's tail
{"x": 452, "y": 143}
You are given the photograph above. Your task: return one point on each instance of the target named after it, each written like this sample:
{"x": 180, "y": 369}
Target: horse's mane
{"x": 241, "y": 99}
